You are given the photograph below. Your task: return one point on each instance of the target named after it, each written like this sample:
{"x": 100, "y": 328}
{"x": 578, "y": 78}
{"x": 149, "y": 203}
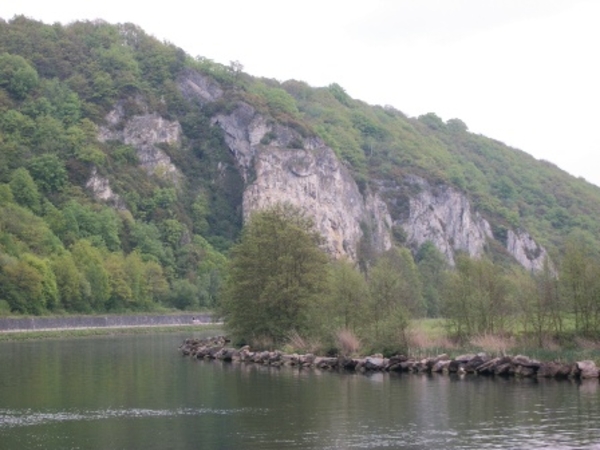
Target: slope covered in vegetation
{"x": 165, "y": 243}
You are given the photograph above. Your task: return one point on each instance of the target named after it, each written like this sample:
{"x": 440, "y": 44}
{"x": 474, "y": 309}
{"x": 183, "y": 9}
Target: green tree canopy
{"x": 16, "y": 75}
{"x": 276, "y": 273}
{"x": 24, "y": 189}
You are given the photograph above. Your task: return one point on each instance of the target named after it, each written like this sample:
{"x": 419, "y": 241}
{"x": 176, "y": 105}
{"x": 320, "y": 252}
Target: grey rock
{"x": 587, "y": 369}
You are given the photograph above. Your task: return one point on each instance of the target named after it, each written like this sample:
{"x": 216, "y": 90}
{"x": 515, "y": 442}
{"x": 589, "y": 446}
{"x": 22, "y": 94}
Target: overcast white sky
{"x": 525, "y": 72}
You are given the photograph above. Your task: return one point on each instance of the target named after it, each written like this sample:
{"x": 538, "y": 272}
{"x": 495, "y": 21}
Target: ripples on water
{"x": 24, "y": 418}
{"x": 138, "y": 393}
{"x": 556, "y": 430}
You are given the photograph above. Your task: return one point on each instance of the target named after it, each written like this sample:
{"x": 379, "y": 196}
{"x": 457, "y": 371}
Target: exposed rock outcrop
{"x": 198, "y": 87}
{"x": 101, "y": 189}
{"x": 144, "y": 133}
{"x": 279, "y": 165}
{"x": 525, "y": 250}
{"x": 443, "y": 216}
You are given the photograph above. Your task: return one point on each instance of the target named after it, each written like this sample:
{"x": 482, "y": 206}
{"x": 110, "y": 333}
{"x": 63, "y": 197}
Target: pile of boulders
{"x": 481, "y": 363}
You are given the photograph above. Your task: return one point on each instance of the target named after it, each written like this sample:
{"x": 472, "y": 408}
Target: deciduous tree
{"x": 276, "y": 275}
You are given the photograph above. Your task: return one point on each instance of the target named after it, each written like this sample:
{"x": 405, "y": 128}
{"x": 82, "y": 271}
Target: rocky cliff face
{"x": 525, "y": 250}
{"x": 279, "y": 165}
{"x": 313, "y": 179}
{"x": 438, "y": 214}
{"x": 101, "y": 189}
{"x": 144, "y": 132}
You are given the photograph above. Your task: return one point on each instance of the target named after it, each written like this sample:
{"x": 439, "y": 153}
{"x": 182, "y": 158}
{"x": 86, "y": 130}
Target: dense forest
{"x": 167, "y": 245}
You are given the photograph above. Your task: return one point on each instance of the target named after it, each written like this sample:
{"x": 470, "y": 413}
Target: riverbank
{"x": 14, "y": 324}
{"x": 116, "y": 331}
{"x": 25, "y": 328}
{"x": 217, "y": 348}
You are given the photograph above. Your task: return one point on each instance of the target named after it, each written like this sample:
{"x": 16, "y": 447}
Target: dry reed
{"x": 419, "y": 339}
{"x": 493, "y": 343}
{"x": 347, "y": 342}
{"x": 302, "y": 345}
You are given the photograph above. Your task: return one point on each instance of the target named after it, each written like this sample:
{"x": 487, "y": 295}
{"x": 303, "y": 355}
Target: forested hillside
{"x": 163, "y": 241}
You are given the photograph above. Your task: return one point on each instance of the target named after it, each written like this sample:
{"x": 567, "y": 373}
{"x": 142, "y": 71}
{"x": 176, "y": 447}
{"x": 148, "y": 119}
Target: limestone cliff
{"x": 525, "y": 250}
{"x": 438, "y": 214}
{"x": 279, "y": 165}
{"x": 101, "y": 189}
{"x": 444, "y": 216}
{"x": 144, "y": 132}
{"x": 313, "y": 179}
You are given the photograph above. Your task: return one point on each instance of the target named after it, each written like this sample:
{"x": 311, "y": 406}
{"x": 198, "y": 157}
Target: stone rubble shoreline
{"x": 217, "y": 348}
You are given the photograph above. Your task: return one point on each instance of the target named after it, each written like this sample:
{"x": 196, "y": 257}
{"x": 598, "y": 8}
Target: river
{"x": 138, "y": 392}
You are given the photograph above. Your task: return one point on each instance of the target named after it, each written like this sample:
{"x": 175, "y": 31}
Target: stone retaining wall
{"x": 109, "y": 321}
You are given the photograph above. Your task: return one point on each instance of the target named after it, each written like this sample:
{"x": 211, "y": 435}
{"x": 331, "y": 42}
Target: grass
{"x": 429, "y": 337}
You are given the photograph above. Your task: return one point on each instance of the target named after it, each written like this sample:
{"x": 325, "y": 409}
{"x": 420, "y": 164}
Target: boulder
{"x": 441, "y": 366}
{"x": 489, "y": 367}
{"x": 347, "y": 363}
{"x": 524, "y": 371}
{"x": 525, "y": 361}
{"x": 463, "y": 359}
{"x": 374, "y": 363}
{"x": 476, "y": 362}
{"x": 587, "y": 369}
{"x": 504, "y": 369}
{"x": 554, "y": 370}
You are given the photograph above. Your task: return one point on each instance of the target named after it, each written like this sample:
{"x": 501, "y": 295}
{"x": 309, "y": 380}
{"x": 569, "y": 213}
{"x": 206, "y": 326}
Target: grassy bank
{"x": 427, "y": 337}
{"x": 83, "y": 332}
{"x": 431, "y": 337}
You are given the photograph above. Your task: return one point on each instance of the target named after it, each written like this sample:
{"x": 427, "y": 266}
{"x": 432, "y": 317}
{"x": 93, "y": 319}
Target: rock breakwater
{"x": 218, "y": 348}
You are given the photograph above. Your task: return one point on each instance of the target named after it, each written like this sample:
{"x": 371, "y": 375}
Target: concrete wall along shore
{"x": 217, "y": 348}
{"x": 8, "y": 324}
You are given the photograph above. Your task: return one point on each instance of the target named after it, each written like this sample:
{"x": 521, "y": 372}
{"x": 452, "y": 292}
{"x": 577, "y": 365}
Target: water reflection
{"x": 137, "y": 392}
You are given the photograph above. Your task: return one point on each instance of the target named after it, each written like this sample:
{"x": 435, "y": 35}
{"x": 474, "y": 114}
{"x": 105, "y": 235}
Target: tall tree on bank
{"x": 276, "y": 275}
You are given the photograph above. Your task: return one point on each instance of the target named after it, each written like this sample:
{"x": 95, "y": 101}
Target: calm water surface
{"x": 137, "y": 392}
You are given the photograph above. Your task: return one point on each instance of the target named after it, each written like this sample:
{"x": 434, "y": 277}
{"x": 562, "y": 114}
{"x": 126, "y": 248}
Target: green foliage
{"x": 339, "y": 93}
{"x": 57, "y": 84}
{"x": 99, "y": 283}
{"x": 83, "y": 222}
{"x": 16, "y": 75}
{"x": 48, "y": 172}
{"x": 49, "y": 295}
{"x": 24, "y": 190}
{"x": 477, "y": 299}
{"x": 395, "y": 296}
{"x": 25, "y": 232}
{"x": 348, "y": 296}
{"x": 540, "y": 305}
{"x": 432, "y": 267}
{"x": 278, "y": 100}
{"x": 276, "y": 275}
{"x": 21, "y": 285}
{"x": 580, "y": 284}
{"x": 70, "y": 283}
{"x": 6, "y": 195}
{"x": 184, "y": 295}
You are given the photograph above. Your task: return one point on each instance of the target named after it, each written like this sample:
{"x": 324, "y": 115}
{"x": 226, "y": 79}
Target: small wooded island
{"x": 216, "y": 348}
